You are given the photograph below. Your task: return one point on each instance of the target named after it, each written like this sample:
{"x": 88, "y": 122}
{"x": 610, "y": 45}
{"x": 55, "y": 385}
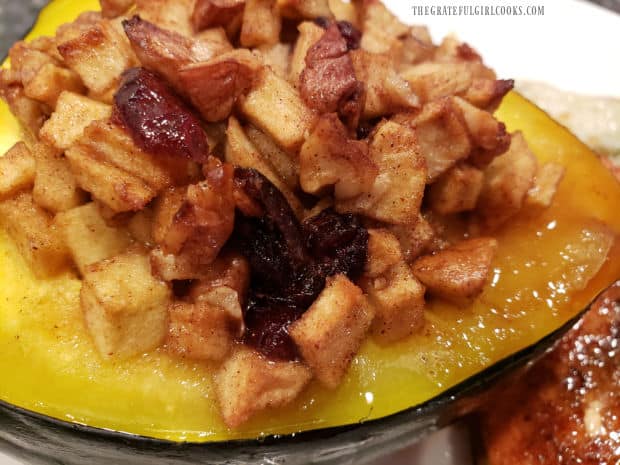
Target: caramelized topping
{"x": 158, "y": 120}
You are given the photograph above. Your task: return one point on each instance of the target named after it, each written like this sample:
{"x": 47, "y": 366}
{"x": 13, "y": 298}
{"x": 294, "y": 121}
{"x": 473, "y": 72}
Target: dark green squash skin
{"x": 44, "y": 440}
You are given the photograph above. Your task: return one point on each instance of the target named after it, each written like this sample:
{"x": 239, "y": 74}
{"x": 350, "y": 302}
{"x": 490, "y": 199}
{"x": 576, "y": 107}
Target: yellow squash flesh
{"x": 540, "y": 279}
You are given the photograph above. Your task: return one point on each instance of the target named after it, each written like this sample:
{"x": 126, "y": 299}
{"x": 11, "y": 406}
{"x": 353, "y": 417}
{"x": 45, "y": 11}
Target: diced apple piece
{"x": 397, "y": 298}
{"x": 248, "y": 383}
{"x": 88, "y": 237}
{"x": 277, "y": 108}
{"x": 73, "y": 113}
{"x": 396, "y": 194}
{"x": 50, "y": 81}
{"x": 383, "y": 252}
{"x": 548, "y": 178}
{"x": 125, "y": 307}
{"x": 331, "y": 331}
{"x": 309, "y": 34}
{"x": 506, "y": 182}
{"x": 205, "y": 330}
{"x": 114, "y": 8}
{"x": 307, "y": 9}
{"x": 414, "y": 239}
{"x": 457, "y": 190}
{"x": 99, "y": 56}
{"x": 17, "y": 170}
{"x": 458, "y": 272}
{"x": 55, "y": 186}
{"x": 37, "y": 239}
{"x": 261, "y": 23}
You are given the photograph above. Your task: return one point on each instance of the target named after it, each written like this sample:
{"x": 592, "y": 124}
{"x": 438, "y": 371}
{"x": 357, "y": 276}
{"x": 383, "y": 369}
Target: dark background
{"x": 16, "y": 17}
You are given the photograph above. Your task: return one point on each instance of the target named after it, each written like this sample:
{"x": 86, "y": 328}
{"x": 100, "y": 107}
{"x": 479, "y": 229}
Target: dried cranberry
{"x": 290, "y": 262}
{"x": 157, "y": 119}
{"x": 338, "y": 241}
{"x": 267, "y": 324}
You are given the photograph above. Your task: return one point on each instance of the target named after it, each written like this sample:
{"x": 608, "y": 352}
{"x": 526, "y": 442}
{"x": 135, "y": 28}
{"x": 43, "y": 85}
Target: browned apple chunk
{"x": 37, "y": 238}
{"x": 386, "y": 92}
{"x": 442, "y": 136}
{"x": 456, "y": 190}
{"x": 546, "y": 182}
{"x": 261, "y": 23}
{"x": 414, "y": 239}
{"x": 331, "y": 331}
{"x": 204, "y": 330}
{"x": 17, "y": 170}
{"x": 196, "y": 221}
{"x": 329, "y": 158}
{"x": 396, "y": 194}
{"x": 125, "y": 307}
{"x": 30, "y": 113}
{"x": 506, "y": 182}
{"x": 248, "y": 383}
{"x": 458, "y": 272}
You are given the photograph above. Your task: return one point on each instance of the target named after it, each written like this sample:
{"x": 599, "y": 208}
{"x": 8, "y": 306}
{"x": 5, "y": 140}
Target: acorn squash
{"x": 549, "y": 267}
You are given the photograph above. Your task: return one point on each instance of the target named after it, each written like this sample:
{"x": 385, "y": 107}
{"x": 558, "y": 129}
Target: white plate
{"x": 575, "y": 46}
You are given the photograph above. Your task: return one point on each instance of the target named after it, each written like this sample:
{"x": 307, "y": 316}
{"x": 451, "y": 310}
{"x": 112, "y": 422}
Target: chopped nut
{"x": 457, "y": 190}
{"x": 248, "y": 383}
{"x": 166, "y": 52}
{"x": 197, "y": 221}
{"x": 215, "y": 86}
{"x": 458, "y": 272}
{"x": 329, "y": 157}
{"x": 227, "y": 270}
{"x": 213, "y": 13}
{"x": 331, "y": 331}
{"x": 328, "y": 83}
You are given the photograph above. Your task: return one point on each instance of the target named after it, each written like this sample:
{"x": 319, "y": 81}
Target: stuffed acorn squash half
{"x": 498, "y": 239}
